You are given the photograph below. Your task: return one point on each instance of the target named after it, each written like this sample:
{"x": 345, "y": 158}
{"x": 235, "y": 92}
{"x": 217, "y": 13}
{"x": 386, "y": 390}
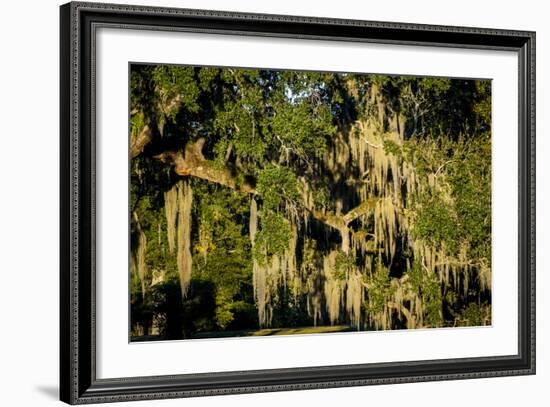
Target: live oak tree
{"x": 283, "y": 198}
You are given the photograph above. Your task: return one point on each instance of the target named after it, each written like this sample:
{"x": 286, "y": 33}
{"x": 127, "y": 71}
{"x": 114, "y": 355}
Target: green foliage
{"x": 272, "y": 128}
{"x": 141, "y": 89}
{"x": 278, "y": 188}
{"x": 137, "y": 122}
{"x": 433, "y": 301}
{"x": 238, "y": 126}
{"x": 391, "y": 147}
{"x": 475, "y": 314}
{"x": 470, "y": 178}
{"x": 379, "y": 288}
{"x": 208, "y": 78}
{"x": 434, "y": 106}
{"x": 416, "y": 277}
{"x": 303, "y": 128}
{"x": 321, "y": 195}
{"x": 343, "y": 264}
{"x": 273, "y": 237}
{"x": 482, "y": 106}
{"x": 172, "y": 81}
{"x": 459, "y": 215}
{"x": 436, "y": 86}
{"x": 436, "y": 223}
{"x": 228, "y": 262}
{"x": 276, "y": 185}
{"x": 428, "y": 288}
{"x": 262, "y": 108}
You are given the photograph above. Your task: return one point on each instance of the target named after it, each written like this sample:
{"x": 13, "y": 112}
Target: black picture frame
{"x": 78, "y": 382}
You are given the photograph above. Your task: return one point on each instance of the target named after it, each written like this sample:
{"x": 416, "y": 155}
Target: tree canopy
{"x": 270, "y": 198}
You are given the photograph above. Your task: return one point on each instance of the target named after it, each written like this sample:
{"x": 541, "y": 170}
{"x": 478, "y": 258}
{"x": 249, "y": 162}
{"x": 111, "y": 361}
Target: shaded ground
{"x": 256, "y": 332}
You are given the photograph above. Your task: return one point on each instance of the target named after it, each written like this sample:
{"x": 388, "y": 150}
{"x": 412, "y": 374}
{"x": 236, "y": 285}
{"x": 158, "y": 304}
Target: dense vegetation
{"x": 280, "y": 199}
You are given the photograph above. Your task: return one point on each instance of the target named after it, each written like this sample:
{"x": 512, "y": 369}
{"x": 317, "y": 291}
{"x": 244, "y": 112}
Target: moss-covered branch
{"x": 191, "y": 162}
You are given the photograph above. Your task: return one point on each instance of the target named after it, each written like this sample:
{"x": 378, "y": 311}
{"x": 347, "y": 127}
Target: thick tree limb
{"x": 171, "y": 105}
{"x": 360, "y": 210}
{"x": 191, "y": 162}
{"x": 167, "y": 107}
{"x": 138, "y": 143}
{"x": 328, "y": 218}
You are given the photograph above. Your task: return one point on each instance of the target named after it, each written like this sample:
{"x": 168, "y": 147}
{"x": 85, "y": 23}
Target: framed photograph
{"x": 255, "y": 203}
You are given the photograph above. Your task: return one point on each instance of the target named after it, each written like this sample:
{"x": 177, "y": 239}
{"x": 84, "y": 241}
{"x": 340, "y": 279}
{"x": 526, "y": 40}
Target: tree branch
{"x": 361, "y": 209}
{"x": 138, "y": 143}
{"x": 191, "y": 162}
{"x": 166, "y": 108}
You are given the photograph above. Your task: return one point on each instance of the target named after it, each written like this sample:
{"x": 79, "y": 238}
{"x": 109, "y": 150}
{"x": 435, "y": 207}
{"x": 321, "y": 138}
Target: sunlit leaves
{"x": 470, "y": 178}
{"x": 379, "y": 288}
{"x": 228, "y": 261}
{"x": 175, "y": 83}
{"x": 437, "y": 223}
{"x": 474, "y": 315}
{"x": 344, "y": 263}
{"x": 137, "y": 122}
{"x": 310, "y": 146}
{"x": 428, "y": 289}
{"x": 273, "y": 237}
{"x": 303, "y": 129}
{"x": 276, "y": 185}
